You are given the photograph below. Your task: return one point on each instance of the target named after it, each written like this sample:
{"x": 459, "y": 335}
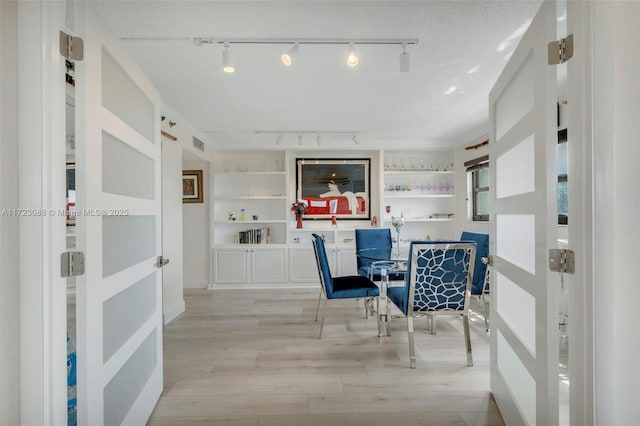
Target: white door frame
{"x": 581, "y": 231}
{"x": 603, "y": 100}
{"x": 42, "y": 235}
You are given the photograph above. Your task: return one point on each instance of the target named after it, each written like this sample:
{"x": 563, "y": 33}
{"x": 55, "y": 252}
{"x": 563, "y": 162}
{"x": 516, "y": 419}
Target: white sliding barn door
{"x": 524, "y": 351}
{"x": 119, "y": 299}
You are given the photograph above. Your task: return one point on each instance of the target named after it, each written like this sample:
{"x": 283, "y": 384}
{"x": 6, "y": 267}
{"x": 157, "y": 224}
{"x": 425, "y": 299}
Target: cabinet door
{"x": 345, "y": 261}
{"x": 302, "y": 265}
{"x": 230, "y": 265}
{"x": 268, "y": 265}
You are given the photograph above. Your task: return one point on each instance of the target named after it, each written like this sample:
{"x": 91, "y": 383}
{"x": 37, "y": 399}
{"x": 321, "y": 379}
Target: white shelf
{"x": 426, "y": 172}
{"x": 417, "y": 220}
{"x": 249, "y": 197}
{"x": 407, "y": 195}
{"x": 265, "y": 173}
{"x": 248, "y": 222}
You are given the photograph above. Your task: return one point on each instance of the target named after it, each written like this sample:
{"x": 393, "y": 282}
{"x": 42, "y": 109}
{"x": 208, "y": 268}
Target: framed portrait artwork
{"x": 334, "y": 187}
{"x": 192, "y": 190}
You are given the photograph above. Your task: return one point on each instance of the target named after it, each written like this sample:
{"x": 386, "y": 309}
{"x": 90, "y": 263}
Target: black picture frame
{"x": 339, "y": 187}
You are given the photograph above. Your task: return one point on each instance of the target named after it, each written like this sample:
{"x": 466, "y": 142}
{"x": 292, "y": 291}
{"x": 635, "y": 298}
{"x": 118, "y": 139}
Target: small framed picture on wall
{"x": 192, "y": 190}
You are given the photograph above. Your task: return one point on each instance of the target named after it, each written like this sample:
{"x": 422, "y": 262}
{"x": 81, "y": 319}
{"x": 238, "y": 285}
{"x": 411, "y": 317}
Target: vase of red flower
{"x": 299, "y": 208}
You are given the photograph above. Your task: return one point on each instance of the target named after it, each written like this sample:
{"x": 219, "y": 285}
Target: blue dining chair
{"x": 345, "y": 287}
{"x": 438, "y": 282}
{"x": 480, "y": 283}
{"x": 377, "y": 242}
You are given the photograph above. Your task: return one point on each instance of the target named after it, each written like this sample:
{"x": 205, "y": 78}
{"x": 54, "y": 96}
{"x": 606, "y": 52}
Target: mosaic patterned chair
{"x": 346, "y": 287}
{"x": 379, "y": 241}
{"x": 438, "y": 282}
{"x": 479, "y": 286}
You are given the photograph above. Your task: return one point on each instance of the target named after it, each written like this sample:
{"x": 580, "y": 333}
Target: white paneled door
{"x": 524, "y": 351}
{"x": 118, "y": 184}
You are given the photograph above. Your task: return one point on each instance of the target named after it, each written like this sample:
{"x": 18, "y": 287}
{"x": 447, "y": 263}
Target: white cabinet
{"x": 302, "y": 264}
{"x": 249, "y": 264}
{"x": 342, "y": 260}
{"x": 231, "y": 265}
{"x": 303, "y": 267}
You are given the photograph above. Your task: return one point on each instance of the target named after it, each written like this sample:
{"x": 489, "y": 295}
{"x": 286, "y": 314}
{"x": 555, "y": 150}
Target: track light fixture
{"x": 352, "y": 56}
{"x": 318, "y": 133}
{"x": 227, "y": 60}
{"x": 291, "y": 54}
{"x": 404, "y": 59}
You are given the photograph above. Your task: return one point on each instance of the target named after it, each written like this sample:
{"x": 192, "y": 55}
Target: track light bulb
{"x": 352, "y": 56}
{"x": 404, "y": 59}
{"x": 300, "y": 139}
{"x": 355, "y": 139}
{"x": 279, "y": 139}
{"x": 227, "y": 60}
{"x": 291, "y": 54}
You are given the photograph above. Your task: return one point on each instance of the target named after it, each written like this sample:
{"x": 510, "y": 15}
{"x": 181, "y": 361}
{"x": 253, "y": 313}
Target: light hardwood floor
{"x": 252, "y": 357}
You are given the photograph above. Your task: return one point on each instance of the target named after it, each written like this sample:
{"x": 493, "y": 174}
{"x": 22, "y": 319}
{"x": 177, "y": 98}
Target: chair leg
{"x": 467, "y": 340}
{"x": 318, "y": 307}
{"x": 388, "y": 317}
{"x": 486, "y": 312}
{"x": 366, "y": 308}
{"x": 412, "y": 346}
{"x": 324, "y": 308}
{"x": 433, "y": 324}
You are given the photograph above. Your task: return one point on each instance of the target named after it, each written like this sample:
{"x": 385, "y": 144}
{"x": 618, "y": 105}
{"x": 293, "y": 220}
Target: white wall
{"x": 463, "y": 223}
{"x": 172, "y": 274}
{"x": 175, "y": 241}
{"x": 196, "y": 220}
{"x": 9, "y": 274}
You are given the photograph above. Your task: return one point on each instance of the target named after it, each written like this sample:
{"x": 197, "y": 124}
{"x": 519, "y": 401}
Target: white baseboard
{"x": 172, "y": 314}
{"x": 195, "y": 284}
{"x": 254, "y": 286}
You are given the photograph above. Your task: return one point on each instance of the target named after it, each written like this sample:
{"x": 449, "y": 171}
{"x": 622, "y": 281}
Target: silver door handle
{"x": 161, "y": 261}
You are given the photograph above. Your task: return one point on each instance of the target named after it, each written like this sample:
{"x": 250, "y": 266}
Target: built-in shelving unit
{"x": 249, "y": 192}
{"x": 419, "y": 185}
{"x": 263, "y": 184}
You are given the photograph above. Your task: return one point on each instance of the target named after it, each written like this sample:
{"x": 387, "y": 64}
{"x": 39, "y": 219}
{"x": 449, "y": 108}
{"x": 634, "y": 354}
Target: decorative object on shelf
{"x": 397, "y": 223}
{"x": 255, "y": 217}
{"x": 299, "y": 208}
{"x": 242, "y": 216}
{"x": 232, "y": 216}
{"x": 192, "y": 190}
{"x": 345, "y": 182}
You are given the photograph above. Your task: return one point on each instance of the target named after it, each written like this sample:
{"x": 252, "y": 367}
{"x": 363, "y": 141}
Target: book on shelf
{"x": 255, "y": 236}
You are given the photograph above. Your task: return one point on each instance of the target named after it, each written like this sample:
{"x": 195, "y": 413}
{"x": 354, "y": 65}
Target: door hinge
{"x": 562, "y": 260}
{"x": 71, "y": 264}
{"x": 71, "y": 47}
{"x": 560, "y": 51}
{"x": 489, "y": 260}
{"x": 161, "y": 261}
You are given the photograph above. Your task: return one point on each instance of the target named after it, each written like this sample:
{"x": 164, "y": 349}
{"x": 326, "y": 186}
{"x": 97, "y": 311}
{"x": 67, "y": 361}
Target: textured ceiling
{"x": 461, "y": 43}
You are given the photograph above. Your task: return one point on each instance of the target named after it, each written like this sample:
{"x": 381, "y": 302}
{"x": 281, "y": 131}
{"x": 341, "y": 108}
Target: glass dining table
{"x": 387, "y": 265}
